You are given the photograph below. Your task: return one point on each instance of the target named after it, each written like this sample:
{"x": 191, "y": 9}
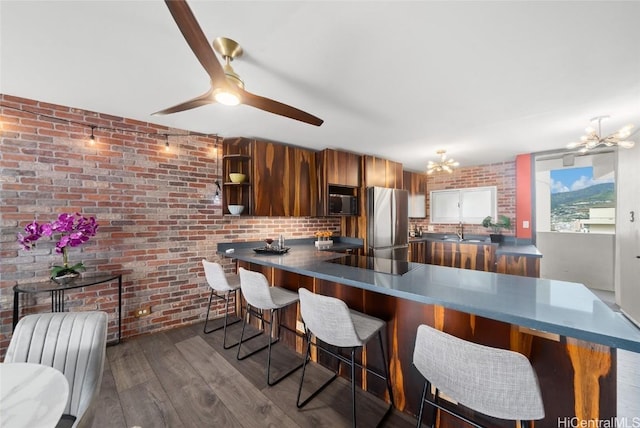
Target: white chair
{"x": 332, "y": 322}
{"x": 261, "y": 297}
{"x": 73, "y": 343}
{"x": 221, "y": 283}
{"x": 496, "y": 382}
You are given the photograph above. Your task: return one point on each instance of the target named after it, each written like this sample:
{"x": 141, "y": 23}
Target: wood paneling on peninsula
{"x": 577, "y": 378}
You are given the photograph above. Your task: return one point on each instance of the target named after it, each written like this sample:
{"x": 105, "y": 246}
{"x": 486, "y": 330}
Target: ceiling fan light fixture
{"x": 226, "y": 97}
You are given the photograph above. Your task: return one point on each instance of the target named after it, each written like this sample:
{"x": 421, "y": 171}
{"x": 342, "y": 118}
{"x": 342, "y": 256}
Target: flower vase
{"x": 64, "y": 274}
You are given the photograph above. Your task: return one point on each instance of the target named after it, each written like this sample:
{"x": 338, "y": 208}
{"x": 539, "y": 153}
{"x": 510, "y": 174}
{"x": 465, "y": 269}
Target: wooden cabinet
{"x": 284, "y": 180}
{"x": 518, "y": 265}
{"x": 416, "y": 184}
{"x": 480, "y": 257}
{"x": 382, "y": 172}
{"x": 460, "y": 255}
{"x": 281, "y": 179}
{"x": 418, "y": 251}
{"x": 339, "y": 173}
{"x": 339, "y": 168}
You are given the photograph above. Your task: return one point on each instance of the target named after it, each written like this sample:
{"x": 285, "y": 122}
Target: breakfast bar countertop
{"x": 560, "y": 307}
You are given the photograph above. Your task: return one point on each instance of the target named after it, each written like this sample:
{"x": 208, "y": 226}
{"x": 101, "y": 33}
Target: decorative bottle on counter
{"x": 281, "y": 242}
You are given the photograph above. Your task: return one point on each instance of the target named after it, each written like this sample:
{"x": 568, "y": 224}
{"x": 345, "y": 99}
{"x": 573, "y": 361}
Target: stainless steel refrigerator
{"x": 388, "y": 223}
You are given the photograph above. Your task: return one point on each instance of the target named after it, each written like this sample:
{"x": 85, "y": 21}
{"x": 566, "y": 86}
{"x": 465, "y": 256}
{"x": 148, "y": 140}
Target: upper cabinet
{"x": 338, "y": 175}
{"x": 470, "y": 205}
{"x": 340, "y": 168}
{"x": 416, "y": 184}
{"x": 382, "y": 172}
{"x": 280, "y": 179}
{"x": 284, "y": 180}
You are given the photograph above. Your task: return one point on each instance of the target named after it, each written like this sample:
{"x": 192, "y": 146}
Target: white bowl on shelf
{"x": 236, "y": 209}
{"x": 237, "y": 177}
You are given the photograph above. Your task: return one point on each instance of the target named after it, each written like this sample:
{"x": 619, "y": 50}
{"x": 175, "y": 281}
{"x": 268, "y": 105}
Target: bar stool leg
{"x": 277, "y": 313}
{"x": 424, "y": 397}
{"x": 226, "y": 318}
{"x": 299, "y": 403}
{"x": 353, "y": 386}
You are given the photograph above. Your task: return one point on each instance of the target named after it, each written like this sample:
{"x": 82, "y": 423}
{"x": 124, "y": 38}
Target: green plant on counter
{"x": 503, "y": 222}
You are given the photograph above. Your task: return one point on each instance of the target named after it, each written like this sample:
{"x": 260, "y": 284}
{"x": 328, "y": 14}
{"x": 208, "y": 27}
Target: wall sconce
{"x": 217, "y": 200}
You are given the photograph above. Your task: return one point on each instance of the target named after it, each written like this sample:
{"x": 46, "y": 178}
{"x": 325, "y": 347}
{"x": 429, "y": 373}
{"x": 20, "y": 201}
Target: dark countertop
{"x": 511, "y": 247}
{"x": 564, "y": 308}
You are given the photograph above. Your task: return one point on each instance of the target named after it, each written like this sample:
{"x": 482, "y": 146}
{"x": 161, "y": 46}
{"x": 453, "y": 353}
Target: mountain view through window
{"x": 580, "y": 203}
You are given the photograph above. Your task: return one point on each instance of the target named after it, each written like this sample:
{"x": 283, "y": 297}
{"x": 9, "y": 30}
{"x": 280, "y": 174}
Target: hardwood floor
{"x": 184, "y": 378}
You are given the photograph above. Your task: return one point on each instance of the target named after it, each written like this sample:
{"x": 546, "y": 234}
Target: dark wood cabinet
{"x": 518, "y": 265}
{"x": 338, "y": 173}
{"x": 340, "y": 168}
{"x": 480, "y": 257}
{"x": 280, "y": 179}
{"x": 460, "y": 255}
{"x": 284, "y": 180}
{"x": 418, "y": 251}
{"x": 416, "y": 184}
{"x": 382, "y": 172}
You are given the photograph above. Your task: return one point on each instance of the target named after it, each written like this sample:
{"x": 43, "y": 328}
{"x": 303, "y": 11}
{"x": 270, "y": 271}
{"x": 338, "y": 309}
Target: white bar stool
{"x": 261, "y": 297}
{"x": 221, "y": 283}
{"x": 496, "y": 382}
{"x": 332, "y": 322}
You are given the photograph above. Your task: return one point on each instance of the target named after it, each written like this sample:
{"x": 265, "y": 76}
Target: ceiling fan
{"x": 226, "y": 85}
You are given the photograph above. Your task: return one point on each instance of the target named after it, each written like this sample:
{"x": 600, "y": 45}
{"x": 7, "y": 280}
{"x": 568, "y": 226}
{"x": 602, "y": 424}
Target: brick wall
{"x": 502, "y": 175}
{"x": 154, "y": 207}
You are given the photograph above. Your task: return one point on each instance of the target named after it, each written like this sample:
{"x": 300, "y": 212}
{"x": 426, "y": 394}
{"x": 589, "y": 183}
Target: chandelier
{"x": 443, "y": 164}
{"x": 594, "y": 138}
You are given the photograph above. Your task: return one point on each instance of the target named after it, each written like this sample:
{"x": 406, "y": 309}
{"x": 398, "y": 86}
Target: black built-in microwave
{"x": 343, "y": 204}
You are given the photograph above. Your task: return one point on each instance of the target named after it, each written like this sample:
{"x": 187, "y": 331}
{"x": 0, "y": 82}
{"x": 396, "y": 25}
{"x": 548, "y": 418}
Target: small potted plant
{"x": 503, "y": 222}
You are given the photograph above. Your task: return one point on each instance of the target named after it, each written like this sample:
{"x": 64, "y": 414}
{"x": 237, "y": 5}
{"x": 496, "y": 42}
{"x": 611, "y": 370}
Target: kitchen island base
{"x": 577, "y": 378}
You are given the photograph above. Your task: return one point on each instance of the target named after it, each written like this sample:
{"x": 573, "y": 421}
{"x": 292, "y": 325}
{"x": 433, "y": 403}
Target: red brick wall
{"x": 155, "y": 211}
{"x": 501, "y": 175}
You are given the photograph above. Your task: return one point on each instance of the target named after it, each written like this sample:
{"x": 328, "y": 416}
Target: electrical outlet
{"x": 142, "y": 311}
{"x": 429, "y": 228}
{"x": 300, "y": 326}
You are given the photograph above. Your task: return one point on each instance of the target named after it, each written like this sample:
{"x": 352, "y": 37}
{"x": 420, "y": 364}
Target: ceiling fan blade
{"x": 199, "y": 101}
{"x": 277, "y": 107}
{"x": 196, "y": 39}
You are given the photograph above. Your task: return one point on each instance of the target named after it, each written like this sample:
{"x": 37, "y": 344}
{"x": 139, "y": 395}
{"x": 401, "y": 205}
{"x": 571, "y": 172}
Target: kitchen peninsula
{"x": 569, "y": 335}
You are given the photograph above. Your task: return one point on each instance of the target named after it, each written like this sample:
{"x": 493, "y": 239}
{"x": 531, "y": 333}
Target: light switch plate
{"x": 525, "y": 224}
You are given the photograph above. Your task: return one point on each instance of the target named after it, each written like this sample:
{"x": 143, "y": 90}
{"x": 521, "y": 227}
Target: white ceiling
{"x": 483, "y": 80}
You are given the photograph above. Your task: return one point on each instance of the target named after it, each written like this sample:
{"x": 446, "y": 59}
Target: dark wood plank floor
{"x": 184, "y": 378}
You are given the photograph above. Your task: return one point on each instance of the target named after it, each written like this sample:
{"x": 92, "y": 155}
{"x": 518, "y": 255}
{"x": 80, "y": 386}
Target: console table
{"x": 57, "y": 293}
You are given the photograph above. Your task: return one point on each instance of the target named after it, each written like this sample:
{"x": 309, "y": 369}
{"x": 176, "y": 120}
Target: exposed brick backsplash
{"x": 155, "y": 210}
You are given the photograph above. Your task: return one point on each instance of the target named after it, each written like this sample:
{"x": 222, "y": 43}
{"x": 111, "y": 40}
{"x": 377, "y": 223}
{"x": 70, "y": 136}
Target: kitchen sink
{"x": 461, "y": 240}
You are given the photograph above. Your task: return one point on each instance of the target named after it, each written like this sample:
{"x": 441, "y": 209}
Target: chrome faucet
{"x": 460, "y": 231}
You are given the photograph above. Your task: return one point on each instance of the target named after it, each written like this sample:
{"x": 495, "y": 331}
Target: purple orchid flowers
{"x": 74, "y": 230}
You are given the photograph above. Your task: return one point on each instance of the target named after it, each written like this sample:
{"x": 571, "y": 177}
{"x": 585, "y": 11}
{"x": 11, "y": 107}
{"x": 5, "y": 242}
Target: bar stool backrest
{"x": 255, "y": 289}
{"x": 496, "y": 382}
{"x": 215, "y": 276}
{"x": 328, "y": 318}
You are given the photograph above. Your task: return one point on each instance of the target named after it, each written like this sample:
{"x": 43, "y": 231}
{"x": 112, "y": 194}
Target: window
{"x": 469, "y": 205}
{"x": 576, "y": 196}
